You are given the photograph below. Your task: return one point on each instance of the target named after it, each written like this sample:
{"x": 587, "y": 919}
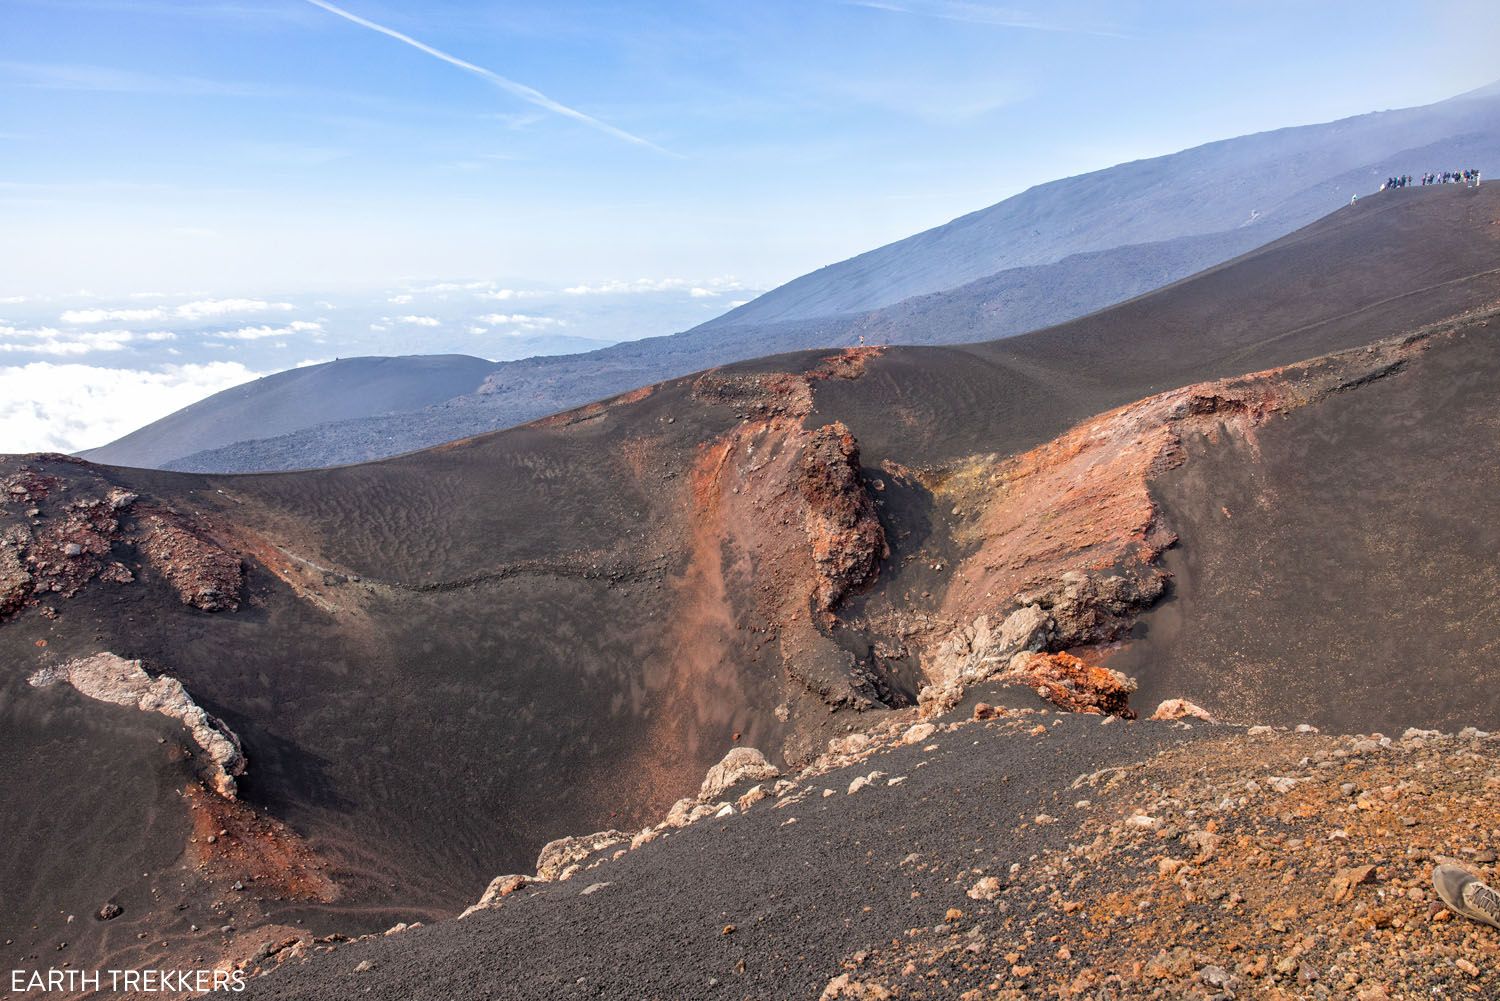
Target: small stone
{"x": 1341, "y": 887}
{"x": 1215, "y": 976}
{"x": 108, "y": 912}
{"x": 364, "y": 966}
{"x": 987, "y": 888}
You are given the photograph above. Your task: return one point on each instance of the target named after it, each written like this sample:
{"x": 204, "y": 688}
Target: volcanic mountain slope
{"x": 250, "y": 710}
{"x": 1050, "y": 254}
{"x": 1275, "y": 181}
{"x": 1011, "y": 302}
{"x": 298, "y": 398}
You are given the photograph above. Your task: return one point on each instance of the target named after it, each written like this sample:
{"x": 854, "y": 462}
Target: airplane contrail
{"x": 525, "y": 93}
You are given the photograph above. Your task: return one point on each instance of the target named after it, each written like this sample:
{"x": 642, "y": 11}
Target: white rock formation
{"x": 739, "y": 765}
{"x": 111, "y": 678}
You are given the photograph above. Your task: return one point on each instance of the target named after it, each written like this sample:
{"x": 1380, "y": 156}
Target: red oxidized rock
{"x": 204, "y": 575}
{"x": 847, "y": 539}
{"x": 1073, "y": 684}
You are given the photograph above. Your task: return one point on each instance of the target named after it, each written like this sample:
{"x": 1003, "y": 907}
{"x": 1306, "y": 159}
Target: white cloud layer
{"x": 46, "y": 406}
{"x": 52, "y": 341}
{"x": 206, "y": 308}
{"x": 519, "y": 321}
{"x": 88, "y": 317}
{"x": 202, "y": 309}
{"x": 698, "y": 289}
{"x": 262, "y": 332}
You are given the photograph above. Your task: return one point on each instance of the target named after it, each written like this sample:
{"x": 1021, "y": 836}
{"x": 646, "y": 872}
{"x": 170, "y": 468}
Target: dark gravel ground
{"x": 800, "y": 896}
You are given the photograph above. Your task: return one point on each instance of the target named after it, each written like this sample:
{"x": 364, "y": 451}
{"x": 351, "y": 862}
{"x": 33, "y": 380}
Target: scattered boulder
{"x": 15, "y": 580}
{"x": 752, "y": 795}
{"x": 679, "y": 814}
{"x": 854, "y": 743}
{"x": 109, "y": 911}
{"x": 742, "y": 764}
{"x": 563, "y": 854}
{"x": 917, "y": 733}
{"x": 500, "y": 887}
{"x": 1181, "y": 709}
{"x": 842, "y": 986}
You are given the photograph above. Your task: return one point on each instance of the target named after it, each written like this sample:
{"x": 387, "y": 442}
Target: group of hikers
{"x": 1468, "y": 178}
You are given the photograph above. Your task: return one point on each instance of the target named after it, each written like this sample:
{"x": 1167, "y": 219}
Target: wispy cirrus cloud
{"x": 528, "y": 94}
{"x": 971, "y": 12}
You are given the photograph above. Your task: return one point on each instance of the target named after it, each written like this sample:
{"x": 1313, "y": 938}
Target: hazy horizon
{"x": 634, "y": 171}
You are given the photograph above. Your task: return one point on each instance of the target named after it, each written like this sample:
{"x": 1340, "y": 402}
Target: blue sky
{"x": 672, "y": 157}
{"x": 271, "y": 145}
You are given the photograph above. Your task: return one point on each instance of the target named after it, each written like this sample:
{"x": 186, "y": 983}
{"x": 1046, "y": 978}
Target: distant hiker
{"x": 1466, "y": 894}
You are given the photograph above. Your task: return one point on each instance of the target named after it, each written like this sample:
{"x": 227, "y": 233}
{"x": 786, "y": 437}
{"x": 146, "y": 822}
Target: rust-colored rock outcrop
{"x": 1073, "y": 684}
{"x": 203, "y": 574}
{"x": 60, "y": 532}
{"x": 847, "y": 539}
{"x": 1070, "y": 529}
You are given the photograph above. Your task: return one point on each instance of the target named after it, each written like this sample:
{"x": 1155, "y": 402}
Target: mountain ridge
{"x": 772, "y": 554}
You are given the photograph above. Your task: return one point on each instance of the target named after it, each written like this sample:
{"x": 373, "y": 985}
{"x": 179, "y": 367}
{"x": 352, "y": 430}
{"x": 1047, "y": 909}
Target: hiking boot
{"x": 1465, "y": 893}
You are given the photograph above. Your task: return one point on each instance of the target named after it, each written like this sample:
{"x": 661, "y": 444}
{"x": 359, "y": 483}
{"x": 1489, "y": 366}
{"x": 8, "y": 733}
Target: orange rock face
{"x": 1073, "y": 684}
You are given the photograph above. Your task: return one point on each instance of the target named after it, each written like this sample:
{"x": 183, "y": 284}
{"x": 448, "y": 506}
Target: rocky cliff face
{"x": 1064, "y": 542}
{"x": 847, "y": 539}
